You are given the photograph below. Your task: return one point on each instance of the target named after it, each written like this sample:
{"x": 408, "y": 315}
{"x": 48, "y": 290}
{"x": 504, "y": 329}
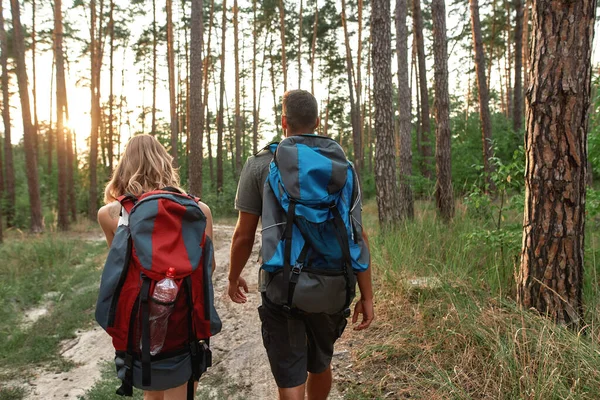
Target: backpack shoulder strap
{"x": 127, "y": 201}
{"x": 271, "y": 147}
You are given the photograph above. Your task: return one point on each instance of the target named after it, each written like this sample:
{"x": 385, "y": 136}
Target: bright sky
{"x": 137, "y": 97}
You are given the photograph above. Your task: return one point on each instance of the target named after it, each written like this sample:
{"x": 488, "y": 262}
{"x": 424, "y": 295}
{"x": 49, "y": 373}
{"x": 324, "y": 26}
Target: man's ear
{"x": 284, "y": 124}
{"x": 317, "y": 123}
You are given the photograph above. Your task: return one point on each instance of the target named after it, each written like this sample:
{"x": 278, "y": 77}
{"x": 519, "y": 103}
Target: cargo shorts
{"x": 299, "y": 344}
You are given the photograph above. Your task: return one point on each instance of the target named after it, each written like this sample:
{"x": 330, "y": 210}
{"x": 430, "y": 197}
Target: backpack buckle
{"x": 296, "y": 270}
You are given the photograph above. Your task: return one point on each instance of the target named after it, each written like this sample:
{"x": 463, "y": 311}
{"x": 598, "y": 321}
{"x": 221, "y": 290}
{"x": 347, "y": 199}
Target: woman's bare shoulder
{"x": 109, "y": 213}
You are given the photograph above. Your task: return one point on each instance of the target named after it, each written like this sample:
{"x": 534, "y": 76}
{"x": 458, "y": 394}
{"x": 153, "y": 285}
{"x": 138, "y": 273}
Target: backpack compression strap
{"x": 287, "y": 255}
{"x": 342, "y": 236}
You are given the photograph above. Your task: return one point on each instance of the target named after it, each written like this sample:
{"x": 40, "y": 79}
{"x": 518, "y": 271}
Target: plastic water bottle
{"x": 164, "y": 294}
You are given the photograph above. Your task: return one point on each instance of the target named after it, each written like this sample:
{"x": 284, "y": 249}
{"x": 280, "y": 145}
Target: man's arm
{"x": 241, "y": 249}
{"x": 364, "y": 305}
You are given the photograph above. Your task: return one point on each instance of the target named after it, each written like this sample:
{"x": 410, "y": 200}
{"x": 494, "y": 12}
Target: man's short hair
{"x": 300, "y": 109}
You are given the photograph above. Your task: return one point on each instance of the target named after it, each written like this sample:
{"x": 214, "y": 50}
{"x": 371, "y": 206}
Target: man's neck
{"x": 288, "y": 134}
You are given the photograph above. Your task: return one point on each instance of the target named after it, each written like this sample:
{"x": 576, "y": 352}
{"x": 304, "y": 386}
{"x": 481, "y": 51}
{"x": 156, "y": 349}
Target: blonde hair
{"x": 144, "y": 166}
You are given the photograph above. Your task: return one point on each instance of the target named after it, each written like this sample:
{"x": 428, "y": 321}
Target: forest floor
{"x": 83, "y": 368}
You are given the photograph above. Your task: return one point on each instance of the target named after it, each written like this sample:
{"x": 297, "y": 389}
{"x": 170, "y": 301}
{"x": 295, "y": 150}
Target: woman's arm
{"x": 209, "y": 227}
{"x": 108, "y": 218}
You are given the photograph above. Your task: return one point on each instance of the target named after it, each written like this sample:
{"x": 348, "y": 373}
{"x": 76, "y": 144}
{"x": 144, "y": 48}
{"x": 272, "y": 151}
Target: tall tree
{"x": 9, "y": 169}
{"x": 254, "y": 103}
{"x": 95, "y": 69}
{"x": 385, "y": 163}
{"x": 443, "y": 189}
{"x": 154, "y": 68}
{"x": 314, "y": 49}
{"x": 425, "y": 145}
{"x": 196, "y": 106}
{"x": 61, "y": 95}
{"x": 36, "y": 222}
{"x": 34, "y": 75}
{"x": 221, "y": 99}
{"x": 551, "y": 274}
{"x": 282, "y": 34}
{"x": 111, "y": 97}
{"x": 238, "y": 117}
{"x": 518, "y": 90}
{"x": 405, "y": 200}
{"x": 354, "y": 106}
{"x": 300, "y": 26}
{"x": 525, "y": 41}
{"x": 484, "y": 97}
{"x": 172, "y": 85}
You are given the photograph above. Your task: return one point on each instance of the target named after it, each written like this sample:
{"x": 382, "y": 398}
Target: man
{"x": 300, "y": 357}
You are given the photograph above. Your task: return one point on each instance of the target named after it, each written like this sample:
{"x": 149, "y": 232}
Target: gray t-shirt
{"x": 252, "y": 179}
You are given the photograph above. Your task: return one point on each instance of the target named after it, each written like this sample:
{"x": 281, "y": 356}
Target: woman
{"x": 144, "y": 166}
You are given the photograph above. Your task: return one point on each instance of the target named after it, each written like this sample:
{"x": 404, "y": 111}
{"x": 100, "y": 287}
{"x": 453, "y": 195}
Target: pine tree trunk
{"x": 518, "y": 100}
{"x": 95, "y": 50}
{"x": 61, "y": 95}
{"x": 50, "y": 134}
{"x": 36, "y": 222}
{"x": 354, "y": 111}
{"x": 526, "y": 18}
{"x": 36, "y": 123}
{"x": 221, "y": 99}
{"x": 9, "y": 168}
{"x": 405, "y": 200}
{"x": 300, "y": 23}
{"x": 385, "y": 163}
{"x": 111, "y": 101}
{"x": 484, "y": 97}
{"x": 254, "y": 103}
{"x": 196, "y": 104}
{"x": 425, "y": 146}
{"x": 207, "y": 67}
{"x": 172, "y": 86}
{"x": 551, "y": 274}
{"x": 282, "y": 34}
{"x": 154, "y": 61}
{"x": 314, "y": 49}
{"x": 274, "y": 91}
{"x": 238, "y": 121}
{"x": 443, "y": 162}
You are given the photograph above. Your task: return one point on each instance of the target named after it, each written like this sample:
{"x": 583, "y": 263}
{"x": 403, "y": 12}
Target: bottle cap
{"x": 171, "y": 273}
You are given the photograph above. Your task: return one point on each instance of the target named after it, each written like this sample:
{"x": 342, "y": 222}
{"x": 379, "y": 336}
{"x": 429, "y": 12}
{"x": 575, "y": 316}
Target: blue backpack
{"x": 312, "y": 243}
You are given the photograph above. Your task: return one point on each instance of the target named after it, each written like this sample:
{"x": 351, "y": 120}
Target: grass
{"x": 467, "y": 339}
{"x": 58, "y": 272}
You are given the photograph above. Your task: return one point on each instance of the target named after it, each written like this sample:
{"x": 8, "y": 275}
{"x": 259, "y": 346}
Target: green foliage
{"x": 60, "y": 273}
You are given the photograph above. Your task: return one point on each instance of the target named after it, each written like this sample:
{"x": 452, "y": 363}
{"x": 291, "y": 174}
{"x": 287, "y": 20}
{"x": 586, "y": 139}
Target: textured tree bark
{"x": 34, "y": 92}
{"x": 443, "y": 189}
{"x": 354, "y": 110}
{"x": 300, "y": 23}
{"x": 314, "y": 49}
{"x": 196, "y": 104}
{"x": 484, "y": 97}
{"x": 254, "y": 102}
{"x": 518, "y": 93}
{"x": 111, "y": 100}
{"x": 551, "y": 274}
{"x": 36, "y": 222}
{"x": 61, "y": 95}
{"x": 154, "y": 61}
{"x": 172, "y": 85}
{"x": 282, "y": 34}
{"x": 9, "y": 168}
{"x": 526, "y": 18}
{"x": 425, "y": 145}
{"x": 238, "y": 117}
{"x": 405, "y": 201}
{"x": 95, "y": 61}
{"x": 221, "y": 99}
{"x": 385, "y": 160}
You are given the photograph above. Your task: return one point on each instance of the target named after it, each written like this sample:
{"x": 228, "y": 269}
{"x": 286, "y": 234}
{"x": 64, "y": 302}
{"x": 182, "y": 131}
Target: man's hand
{"x": 364, "y": 307}
{"x": 235, "y": 290}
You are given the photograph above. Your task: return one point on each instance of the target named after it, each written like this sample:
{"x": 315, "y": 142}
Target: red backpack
{"x": 166, "y": 229}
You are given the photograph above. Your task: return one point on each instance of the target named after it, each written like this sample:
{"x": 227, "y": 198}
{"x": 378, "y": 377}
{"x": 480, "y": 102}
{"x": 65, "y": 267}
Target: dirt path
{"x": 240, "y": 367}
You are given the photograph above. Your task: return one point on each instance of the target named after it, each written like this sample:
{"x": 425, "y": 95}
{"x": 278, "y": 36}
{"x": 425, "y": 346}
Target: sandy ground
{"x": 240, "y": 367}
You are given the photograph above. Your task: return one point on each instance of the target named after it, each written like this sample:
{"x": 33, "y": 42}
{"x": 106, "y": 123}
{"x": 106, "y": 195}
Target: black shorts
{"x": 300, "y": 344}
